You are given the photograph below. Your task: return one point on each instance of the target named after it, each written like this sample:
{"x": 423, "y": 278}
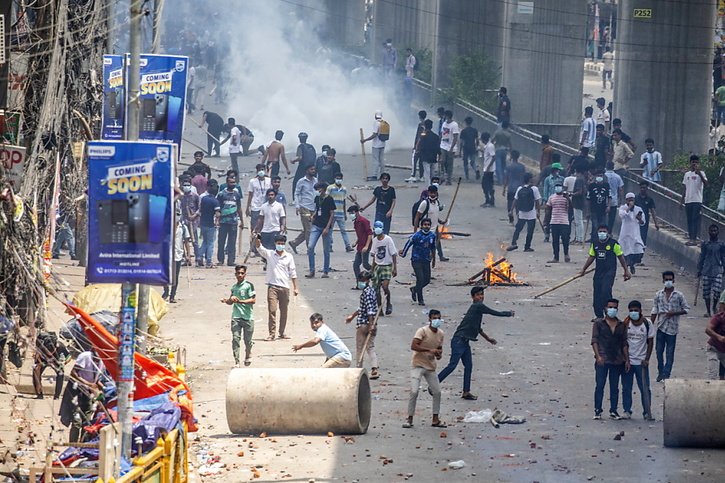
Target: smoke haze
{"x": 279, "y": 75}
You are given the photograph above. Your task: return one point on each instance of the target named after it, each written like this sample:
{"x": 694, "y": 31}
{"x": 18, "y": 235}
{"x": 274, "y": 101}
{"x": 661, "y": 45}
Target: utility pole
{"x": 128, "y": 330}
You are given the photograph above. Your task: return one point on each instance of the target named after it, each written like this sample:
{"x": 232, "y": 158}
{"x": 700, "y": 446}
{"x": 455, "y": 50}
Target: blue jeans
{"x": 642, "y": 374}
{"x": 460, "y": 350}
{"x": 65, "y": 234}
{"x": 315, "y": 235}
{"x": 613, "y": 371}
{"x": 340, "y": 222}
{"x": 665, "y": 348}
{"x": 227, "y": 243}
{"x": 361, "y": 258}
{"x": 386, "y": 221}
{"x": 208, "y": 237}
{"x": 501, "y": 155}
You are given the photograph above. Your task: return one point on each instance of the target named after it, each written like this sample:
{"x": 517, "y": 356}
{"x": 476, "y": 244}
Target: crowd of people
{"x": 589, "y": 189}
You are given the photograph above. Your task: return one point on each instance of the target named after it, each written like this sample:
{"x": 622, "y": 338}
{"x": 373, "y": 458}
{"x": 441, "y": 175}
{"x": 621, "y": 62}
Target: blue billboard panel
{"x": 114, "y": 98}
{"x": 162, "y": 97}
{"x": 130, "y": 198}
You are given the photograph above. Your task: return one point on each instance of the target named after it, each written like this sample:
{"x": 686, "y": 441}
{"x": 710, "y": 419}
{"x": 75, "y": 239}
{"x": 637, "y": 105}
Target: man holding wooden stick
{"x": 606, "y": 251}
{"x": 366, "y": 324}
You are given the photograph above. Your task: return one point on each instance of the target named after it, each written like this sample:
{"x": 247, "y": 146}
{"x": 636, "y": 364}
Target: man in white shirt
{"x": 410, "y": 62}
{"x": 488, "y": 167}
{"x": 385, "y": 264}
{"x": 235, "y": 142}
{"x": 336, "y": 352}
{"x": 280, "y": 272}
{"x": 527, "y": 202}
{"x": 693, "y": 185}
{"x": 271, "y": 221}
{"x": 651, "y": 162}
{"x": 588, "y": 135}
{"x": 449, "y": 141}
{"x": 608, "y": 66}
{"x": 256, "y": 195}
{"x": 602, "y": 114}
{"x": 378, "y": 146}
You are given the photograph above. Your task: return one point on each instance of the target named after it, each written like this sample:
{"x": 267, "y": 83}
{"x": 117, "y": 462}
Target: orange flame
{"x": 503, "y": 267}
{"x": 443, "y": 233}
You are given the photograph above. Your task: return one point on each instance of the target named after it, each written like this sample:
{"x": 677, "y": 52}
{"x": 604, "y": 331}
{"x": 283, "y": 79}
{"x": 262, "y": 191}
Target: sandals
{"x": 439, "y": 424}
{"x": 469, "y": 397}
{"x": 374, "y": 374}
{"x": 270, "y": 339}
{"x": 407, "y": 425}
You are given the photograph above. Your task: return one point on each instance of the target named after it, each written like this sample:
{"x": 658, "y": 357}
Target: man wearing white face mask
{"x": 640, "y": 339}
{"x": 427, "y": 347}
{"x": 557, "y": 219}
{"x": 669, "y": 305}
{"x": 611, "y": 356}
{"x": 256, "y": 196}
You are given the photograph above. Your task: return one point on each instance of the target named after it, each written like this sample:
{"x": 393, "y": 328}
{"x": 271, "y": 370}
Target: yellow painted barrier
{"x": 166, "y": 463}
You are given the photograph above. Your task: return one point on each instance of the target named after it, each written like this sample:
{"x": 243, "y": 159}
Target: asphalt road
{"x": 542, "y": 367}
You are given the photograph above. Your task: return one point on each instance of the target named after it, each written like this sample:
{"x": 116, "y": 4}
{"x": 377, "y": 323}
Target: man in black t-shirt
{"x": 469, "y": 143}
{"x": 417, "y": 166}
{"x": 214, "y": 126}
{"x": 644, "y": 201}
{"x": 384, "y": 199}
{"x": 321, "y": 227}
{"x": 599, "y": 199}
{"x": 428, "y": 149}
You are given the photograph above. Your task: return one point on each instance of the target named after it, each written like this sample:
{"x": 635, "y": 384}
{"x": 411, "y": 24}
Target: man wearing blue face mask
{"x": 669, "y": 305}
{"x": 606, "y": 251}
{"x": 385, "y": 264}
{"x": 611, "y": 356}
{"x": 423, "y": 243}
{"x": 427, "y": 347}
{"x": 640, "y": 340}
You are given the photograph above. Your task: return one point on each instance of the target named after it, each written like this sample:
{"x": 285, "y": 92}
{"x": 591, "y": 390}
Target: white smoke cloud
{"x": 282, "y": 78}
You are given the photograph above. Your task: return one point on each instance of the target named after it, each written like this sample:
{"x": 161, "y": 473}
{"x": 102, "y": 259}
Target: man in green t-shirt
{"x": 720, "y": 99}
{"x": 242, "y": 300}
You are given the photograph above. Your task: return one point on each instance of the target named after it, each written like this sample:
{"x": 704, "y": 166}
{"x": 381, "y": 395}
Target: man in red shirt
{"x": 716, "y": 346}
{"x": 364, "y": 239}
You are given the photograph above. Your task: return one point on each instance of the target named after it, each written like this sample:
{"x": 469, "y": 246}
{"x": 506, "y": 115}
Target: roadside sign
{"x": 642, "y": 13}
{"x": 130, "y": 198}
{"x": 13, "y": 161}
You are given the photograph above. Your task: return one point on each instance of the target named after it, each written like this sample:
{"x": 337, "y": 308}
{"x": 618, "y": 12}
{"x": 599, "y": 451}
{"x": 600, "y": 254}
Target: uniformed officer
{"x": 606, "y": 251}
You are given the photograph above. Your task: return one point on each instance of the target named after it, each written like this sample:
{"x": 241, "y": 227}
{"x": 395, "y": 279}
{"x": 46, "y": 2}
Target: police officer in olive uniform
{"x": 606, "y": 251}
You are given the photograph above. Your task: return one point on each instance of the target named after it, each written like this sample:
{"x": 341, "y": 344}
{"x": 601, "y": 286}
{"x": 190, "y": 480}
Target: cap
{"x": 629, "y": 195}
{"x": 556, "y": 166}
{"x": 378, "y": 224}
{"x": 378, "y": 114}
{"x": 302, "y": 135}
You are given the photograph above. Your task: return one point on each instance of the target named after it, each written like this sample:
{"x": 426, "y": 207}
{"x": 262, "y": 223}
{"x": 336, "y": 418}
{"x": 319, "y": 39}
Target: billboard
{"x": 114, "y": 98}
{"x": 162, "y": 97}
{"x": 12, "y": 159}
{"x": 130, "y": 199}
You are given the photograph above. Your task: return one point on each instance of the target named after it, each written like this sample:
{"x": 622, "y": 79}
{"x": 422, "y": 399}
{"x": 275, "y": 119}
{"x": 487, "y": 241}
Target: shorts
{"x": 382, "y": 272}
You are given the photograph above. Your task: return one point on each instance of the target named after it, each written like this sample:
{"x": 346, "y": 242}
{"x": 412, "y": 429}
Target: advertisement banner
{"x": 114, "y": 98}
{"x": 13, "y": 161}
{"x": 130, "y": 198}
{"x": 162, "y": 97}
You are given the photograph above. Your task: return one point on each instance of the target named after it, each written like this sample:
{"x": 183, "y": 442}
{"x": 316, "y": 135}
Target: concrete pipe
{"x": 693, "y": 413}
{"x": 298, "y": 401}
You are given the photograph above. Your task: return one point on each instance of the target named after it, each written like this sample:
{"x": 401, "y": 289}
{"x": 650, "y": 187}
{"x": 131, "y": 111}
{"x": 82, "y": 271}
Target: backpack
{"x": 309, "y": 155}
{"x": 384, "y": 130}
{"x": 415, "y": 209}
{"x": 525, "y": 200}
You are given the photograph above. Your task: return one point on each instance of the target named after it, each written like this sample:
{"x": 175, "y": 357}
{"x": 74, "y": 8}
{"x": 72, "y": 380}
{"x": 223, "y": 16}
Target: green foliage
{"x": 473, "y": 76}
{"x": 709, "y": 164}
{"x": 424, "y": 58}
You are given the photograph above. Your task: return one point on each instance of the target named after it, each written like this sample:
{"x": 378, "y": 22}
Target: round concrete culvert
{"x": 298, "y": 401}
